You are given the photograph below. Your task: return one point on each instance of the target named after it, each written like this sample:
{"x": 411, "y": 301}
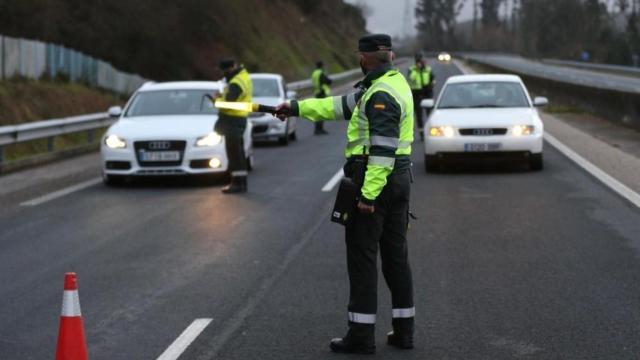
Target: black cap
{"x": 319, "y": 64}
{"x": 226, "y": 63}
{"x": 419, "y": 56}
{"x": 375, "y": 42}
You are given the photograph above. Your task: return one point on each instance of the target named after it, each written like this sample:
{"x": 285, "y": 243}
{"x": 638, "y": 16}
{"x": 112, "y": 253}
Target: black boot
{"x": 238, "y": 185}
{"x": 359, "y": 340}
{"x": 402, "y": 334}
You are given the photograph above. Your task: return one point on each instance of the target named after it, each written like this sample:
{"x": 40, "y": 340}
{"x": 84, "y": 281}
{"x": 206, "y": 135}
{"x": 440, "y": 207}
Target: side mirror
{"x": 540, "y": 101}
{"x": 427, "y": 104}
{"x": 115, "y": 111}
{"x": 292, "y": 95}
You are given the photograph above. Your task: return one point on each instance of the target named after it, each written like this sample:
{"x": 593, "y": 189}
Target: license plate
{"x": 159, "y": 155}
{"x": 482, "y": 147}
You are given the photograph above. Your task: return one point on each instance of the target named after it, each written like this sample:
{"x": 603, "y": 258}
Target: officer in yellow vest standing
{"x": 380, "y": 134}
{"x": 232, "y": 123}
{"x": 420, "y": 79}
{"x": 320, "y": 82}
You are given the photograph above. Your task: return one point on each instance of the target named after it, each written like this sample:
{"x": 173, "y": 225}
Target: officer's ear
{"x": 393, "y": 56}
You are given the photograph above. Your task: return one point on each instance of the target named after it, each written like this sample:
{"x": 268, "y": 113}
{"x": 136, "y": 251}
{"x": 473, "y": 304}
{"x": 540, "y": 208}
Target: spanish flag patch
{"x": 379, "y": 106}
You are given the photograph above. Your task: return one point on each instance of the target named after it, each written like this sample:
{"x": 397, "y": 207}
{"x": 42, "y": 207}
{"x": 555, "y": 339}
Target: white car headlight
{"x": 442, "y": 131}
{"x": 114, "y": 142}
{"x": 211, "y": 139}
{"x": 522, "y": 130}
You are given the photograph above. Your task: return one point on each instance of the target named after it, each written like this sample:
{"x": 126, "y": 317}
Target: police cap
{"x": 375, "y": 42}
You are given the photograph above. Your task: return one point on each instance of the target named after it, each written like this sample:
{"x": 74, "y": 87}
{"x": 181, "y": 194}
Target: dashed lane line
{"x": 62, "y": 192}
{"x": 333, "y": 181}
{"x": 185, "y": 339}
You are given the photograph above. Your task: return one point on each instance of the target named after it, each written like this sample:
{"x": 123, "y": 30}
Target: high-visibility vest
{"x": 419, "y": 78}
{"x": 243, "y": 80}
{"x": 395, "y": 85}
{"x": 318, "y": 86}
{"x": 358, "y": 136}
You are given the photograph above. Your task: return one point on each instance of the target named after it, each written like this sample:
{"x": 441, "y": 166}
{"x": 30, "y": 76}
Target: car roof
{"x": 484, "y": 78}
{"x": 182, "y": 85}
{"x": 265, "y": 76}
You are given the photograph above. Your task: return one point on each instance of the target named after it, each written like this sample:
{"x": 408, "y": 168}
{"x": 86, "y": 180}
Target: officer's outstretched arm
{"x": 330, "y": 108}
{"x": 384, "y": 114}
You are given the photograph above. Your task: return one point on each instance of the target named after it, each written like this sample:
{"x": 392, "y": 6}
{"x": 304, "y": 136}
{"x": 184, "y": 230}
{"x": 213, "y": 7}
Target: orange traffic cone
{"x": 71, "y": 343}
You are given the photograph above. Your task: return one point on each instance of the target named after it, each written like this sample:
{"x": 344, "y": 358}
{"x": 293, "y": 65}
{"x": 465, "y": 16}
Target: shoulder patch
{"x": 379, "y": 106}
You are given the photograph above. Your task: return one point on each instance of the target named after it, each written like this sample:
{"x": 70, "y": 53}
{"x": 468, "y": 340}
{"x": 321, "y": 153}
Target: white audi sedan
{"x": 483, "y": 116}
{"x": 270, "y": 89}
{"x": 166, "y": 129}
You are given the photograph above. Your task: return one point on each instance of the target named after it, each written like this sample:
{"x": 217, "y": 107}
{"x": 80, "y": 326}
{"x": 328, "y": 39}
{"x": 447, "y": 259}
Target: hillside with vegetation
{"x": 168, "y": 40}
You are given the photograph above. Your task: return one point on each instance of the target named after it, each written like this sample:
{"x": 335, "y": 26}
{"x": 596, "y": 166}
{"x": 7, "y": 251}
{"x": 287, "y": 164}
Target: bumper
{"x": 268, "y": 128}
{"x": 195, "y": 161}
{"x": 495, "y": 145}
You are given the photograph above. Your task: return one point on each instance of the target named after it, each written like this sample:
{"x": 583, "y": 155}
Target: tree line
{"x": 590, "y": 30}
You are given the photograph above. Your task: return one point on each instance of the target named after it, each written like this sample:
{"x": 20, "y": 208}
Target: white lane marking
{"x": 62, "y": 192}
{"x": 333, "y": 181}
{"x": 605, "y": 178}
{"x": 185, "y": 339}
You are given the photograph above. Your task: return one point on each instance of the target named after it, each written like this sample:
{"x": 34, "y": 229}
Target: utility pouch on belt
{"x": 349, "y": 190}
{"x": 346, "y": 201}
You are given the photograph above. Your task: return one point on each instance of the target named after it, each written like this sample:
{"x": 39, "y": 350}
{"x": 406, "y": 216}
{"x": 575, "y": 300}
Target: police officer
{"x": 380, "y": 131}
{"x": 320, "y": 82}
{"x": 232, "y": 123}
{"x": 420, "y": 79}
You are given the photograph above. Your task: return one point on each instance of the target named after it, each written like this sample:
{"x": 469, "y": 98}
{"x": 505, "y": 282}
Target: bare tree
{"x": 436, "y": 20}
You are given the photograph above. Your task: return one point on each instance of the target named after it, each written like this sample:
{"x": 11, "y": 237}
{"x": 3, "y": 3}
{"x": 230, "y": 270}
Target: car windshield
{"x": 171, "y": 102}
{"x": 266, "y": 87}
{"x": 483, "y": 95}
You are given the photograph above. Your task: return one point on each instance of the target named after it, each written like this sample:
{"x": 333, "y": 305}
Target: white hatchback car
{"x": 270, "y": 89}
{"x": 167, "y": 129}
{"x": 489, "y": 116}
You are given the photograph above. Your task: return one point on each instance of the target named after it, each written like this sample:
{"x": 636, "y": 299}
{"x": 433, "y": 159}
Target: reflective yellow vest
{"x": 359, "y": 139}
{"x": 318, "y": 87}
{"x": 419, "y": 78}
{"x": 243, "y": 80}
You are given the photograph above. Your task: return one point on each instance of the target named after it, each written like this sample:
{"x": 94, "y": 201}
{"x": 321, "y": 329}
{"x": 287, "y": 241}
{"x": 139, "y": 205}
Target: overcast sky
{"x": 387, "y": 16}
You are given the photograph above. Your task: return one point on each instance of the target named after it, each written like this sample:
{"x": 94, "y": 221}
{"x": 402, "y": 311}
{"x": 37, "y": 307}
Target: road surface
{"x": 507, "y": 263}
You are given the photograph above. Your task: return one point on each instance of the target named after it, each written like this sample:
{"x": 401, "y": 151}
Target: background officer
{"x": 380, "y": 130}
{"x": 321, "y": 89}
{"x": 420, "y": 79}
{"x": 232, "y": 123}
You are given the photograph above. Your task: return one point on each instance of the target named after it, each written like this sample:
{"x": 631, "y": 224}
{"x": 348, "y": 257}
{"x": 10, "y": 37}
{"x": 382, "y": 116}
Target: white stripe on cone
{"x": 70, "y": 304}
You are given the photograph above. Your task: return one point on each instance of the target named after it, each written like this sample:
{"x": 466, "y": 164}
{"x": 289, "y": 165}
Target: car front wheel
{"x": 113, "y": 180}
{"x": 536, "y": 162}
{"x": 430, "y": 163}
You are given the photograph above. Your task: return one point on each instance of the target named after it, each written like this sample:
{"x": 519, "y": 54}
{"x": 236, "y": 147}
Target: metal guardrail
{"x": 592, "y": 66}
{"x": 614, "y": 97}
{"x": 304, "y": 84}
{"x": 558, "y": 74}
{"x": 48, "y": 129}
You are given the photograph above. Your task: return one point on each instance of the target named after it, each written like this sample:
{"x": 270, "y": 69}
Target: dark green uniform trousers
{"x": 386, "y": 230}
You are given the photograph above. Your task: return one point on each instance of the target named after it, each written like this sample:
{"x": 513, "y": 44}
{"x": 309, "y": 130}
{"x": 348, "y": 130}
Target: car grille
{"x": 483, "y": 131}
{"x": 159, "y": 145}
{"x": 259, "y": 129}
{"x": 118, "y": 165}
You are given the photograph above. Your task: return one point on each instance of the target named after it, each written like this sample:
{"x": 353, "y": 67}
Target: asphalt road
{"x": 569, "y": 75}
{"x": 507, "y": 263}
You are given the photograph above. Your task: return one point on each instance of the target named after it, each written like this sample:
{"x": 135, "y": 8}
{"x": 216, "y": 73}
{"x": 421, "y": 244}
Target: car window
{"x": 266, "y": 88}
{"x": 483, "y": 95}
{"x": 171, "y": 102}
